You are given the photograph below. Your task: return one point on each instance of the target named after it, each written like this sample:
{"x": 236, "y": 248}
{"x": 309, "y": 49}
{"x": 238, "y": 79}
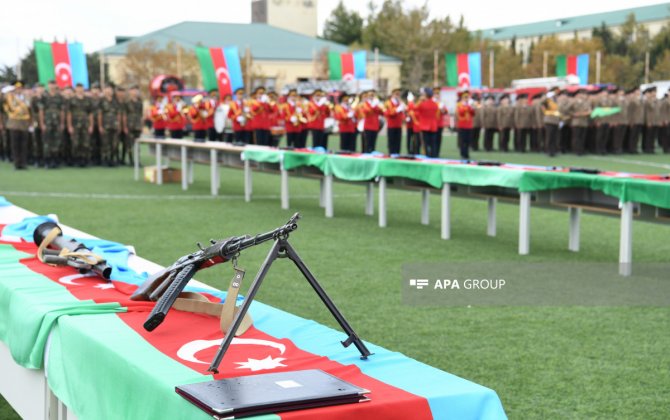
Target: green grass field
{"x": 544, "y": 362}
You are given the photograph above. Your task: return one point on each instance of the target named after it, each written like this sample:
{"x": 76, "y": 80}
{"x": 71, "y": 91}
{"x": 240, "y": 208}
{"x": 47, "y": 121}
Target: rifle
{"x": 167, "y": 284}
{"x": 67, "y": 251}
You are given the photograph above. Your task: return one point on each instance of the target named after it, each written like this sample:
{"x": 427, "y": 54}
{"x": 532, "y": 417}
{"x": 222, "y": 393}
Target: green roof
{"x": 578, "y": 23}
{"x": 266, "y": 42}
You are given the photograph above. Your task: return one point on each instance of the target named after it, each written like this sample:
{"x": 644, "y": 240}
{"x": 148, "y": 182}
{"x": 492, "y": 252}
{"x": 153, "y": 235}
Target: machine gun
{"x": 55, "y": 249}
{"x": 166, "y": 285}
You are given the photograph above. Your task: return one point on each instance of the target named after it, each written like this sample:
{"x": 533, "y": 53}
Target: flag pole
{"x": 435, "y": 63}
{"x": 545, "y": 63}
{"x": 491, "y": 69}
{"x": 646, "y": 67}
{"x": 597, "y": 67}
{"x": 377, "y": 68}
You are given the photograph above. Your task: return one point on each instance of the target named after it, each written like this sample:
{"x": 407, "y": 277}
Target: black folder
{"x": 271, "y": 393}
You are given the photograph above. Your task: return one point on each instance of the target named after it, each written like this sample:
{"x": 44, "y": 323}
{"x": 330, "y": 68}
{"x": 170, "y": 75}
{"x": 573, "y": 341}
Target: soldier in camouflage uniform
{"x": 109, "y": 121}
{"x": 94, "y": 100}
{"x": 4, "y": 153}
{"x": 133, "y": 120}
{"x": 37, "y": 145}
{"x": 120, "y": 151}
{"x": 80, "y": 126}
{"x": 51, "y": 123}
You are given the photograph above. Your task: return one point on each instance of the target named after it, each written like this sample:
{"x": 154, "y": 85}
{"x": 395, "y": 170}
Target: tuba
{"x": 17, "y": 107}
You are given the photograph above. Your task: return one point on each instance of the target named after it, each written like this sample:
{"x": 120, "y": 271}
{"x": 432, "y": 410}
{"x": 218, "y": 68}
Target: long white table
{"x": 574, "y": 200}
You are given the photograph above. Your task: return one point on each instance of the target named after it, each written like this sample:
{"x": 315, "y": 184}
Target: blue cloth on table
{"x": 4, "y": 202}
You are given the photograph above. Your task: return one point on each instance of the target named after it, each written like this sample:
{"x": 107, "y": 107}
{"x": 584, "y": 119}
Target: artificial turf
{"x": 543, "y": 361}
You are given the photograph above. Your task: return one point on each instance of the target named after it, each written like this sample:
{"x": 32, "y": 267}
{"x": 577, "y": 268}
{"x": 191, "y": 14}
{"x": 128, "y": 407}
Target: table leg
{"x": 159, "y": 168}
{"x": 52, "y": 405}
{"x": 136, "y": 161}
{"x": 573, "y": 239}
{"x": 446, "y": 211}
{"x": 247, "y": 180}
{"x": 184, "y": 169}
{"x": 524, "y": 223}
{"x": 322, "y": 199}
{"x": 329, "y": 195}
{"x": 425, "y": 206}
{"x": 626, "y": 240}
{"x": 382, "y": 202}
{"x": 284, "y": 189}
{"x": 214, "y": 187}
{"x": 370, "y": 199}
{"x": 191, "y": 170}
{"x": 491, "y": 222}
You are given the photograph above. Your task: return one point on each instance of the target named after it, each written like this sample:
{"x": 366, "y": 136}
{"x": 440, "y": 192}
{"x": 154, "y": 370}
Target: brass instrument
{"x": 16, "y": 107}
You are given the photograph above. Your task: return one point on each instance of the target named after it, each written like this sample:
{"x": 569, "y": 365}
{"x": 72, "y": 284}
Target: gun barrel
{"x": 244, "y": 242}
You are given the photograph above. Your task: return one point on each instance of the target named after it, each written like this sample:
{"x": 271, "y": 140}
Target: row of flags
{"x": 221, "y": 69}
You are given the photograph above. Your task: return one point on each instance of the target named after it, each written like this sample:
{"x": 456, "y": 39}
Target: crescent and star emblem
{"x": 188, "y": 351}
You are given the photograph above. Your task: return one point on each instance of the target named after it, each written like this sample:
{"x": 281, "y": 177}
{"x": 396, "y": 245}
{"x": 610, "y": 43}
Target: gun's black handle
{"x": 166, "y": 301}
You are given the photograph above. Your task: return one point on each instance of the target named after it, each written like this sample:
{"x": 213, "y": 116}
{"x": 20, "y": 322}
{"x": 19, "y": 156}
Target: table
{"x": 626, "y": 197}
{"x": 104, "y": 362}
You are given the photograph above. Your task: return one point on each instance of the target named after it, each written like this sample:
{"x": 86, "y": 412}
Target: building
{"x": 652, "y": 17}
{"x": 279, "y": 56}
{"x": 294, "y": 15}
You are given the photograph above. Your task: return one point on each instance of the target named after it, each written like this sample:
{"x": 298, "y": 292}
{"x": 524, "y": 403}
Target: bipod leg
{"x": 352, "y": 337}
{"x": 239, "y": 316}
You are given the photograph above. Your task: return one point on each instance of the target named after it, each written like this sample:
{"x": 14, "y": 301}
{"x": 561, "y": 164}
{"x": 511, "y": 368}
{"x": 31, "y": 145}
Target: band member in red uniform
{"x": 260, "y": 116}
{"x": 238, "y": 114}
{"x": 394, "y": 111}
{"x": 413, "y": 141}
{"x": 158, "y": 117}
{"x": 370, "y": 111}
{"x": 276, "y": 122}
{"x": 176, "y": 121}
{"x": 198, "y": 116}
{"x": 428, "y": 114}
{"x": 346, "y": 120}
{"x": 317, "y": 110}
{"x": 294, "y": 120}
{"x": 212, "y": 102}
{"x": 465, "y": 114}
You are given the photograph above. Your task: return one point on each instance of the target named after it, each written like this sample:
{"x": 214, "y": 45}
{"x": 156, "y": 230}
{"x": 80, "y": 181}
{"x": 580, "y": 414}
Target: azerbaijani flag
{"x": 573, "y": 65}
{"x": 220, "y": 68}
{"x": 347, "y": 66}
{"x": 64, "y": 63}
{"x": 464, "y": 70}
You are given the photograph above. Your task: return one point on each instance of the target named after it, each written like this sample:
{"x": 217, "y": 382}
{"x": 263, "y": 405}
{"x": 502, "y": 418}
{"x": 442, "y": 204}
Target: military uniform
{"x": 664, "y": 136}
{"x": 635, "y": 122}
{"x": 579, "y": 109}
{"x": 536, "y": 124}
{"x": 51, "y": 111}
{"x": 551, "y": 119}
{"x": 37, "y": 145}
{"x": 134, "y": 115}
{"x": 96, "y": 138}
{"x": 619, "y": 124}
{"x": 79, "y": 122}
{"x": 602, "y": 125}
{"x": 651, "y": 123}
{"x": 4, "y": 152}
{"x": 109, "y": 114}
{"x": 522, "y": 124}
{"x": 564, "y": 104}
{"x": 17, "y": 109}
{"x": 490, "y": 123}
{"x": 505, "y": 120}
{"x": 476, "y": 124}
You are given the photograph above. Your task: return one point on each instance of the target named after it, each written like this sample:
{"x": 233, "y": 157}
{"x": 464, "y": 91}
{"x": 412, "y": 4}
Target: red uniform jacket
{"x": 157, "y": 118}
{"x": 371, "y": 116}
{"x": 316, "y": 115}
{"x": 210, "y": 106}
{"x": 198, "y": 122}
{"x": 428, "y": 114}
{"x": 175, "y": 119}
{"x": 346, "y": 123}
{"x": 394, "y": 118}
{"x": 236, "y": 110}
{"x": 465, "y": 114}
{"x": 289, "y": 110}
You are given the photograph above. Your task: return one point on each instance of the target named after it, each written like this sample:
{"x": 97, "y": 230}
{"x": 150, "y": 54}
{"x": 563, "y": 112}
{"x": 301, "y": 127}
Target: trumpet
{"x": 16, "y": 107}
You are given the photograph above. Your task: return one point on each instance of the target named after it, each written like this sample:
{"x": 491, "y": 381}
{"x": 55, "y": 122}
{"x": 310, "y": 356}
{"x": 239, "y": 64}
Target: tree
{"x": 343, "y": 26}
{"x": 29, "y": 68}
{"x": 661, "y": 70}
{"x": 7, "y": 74}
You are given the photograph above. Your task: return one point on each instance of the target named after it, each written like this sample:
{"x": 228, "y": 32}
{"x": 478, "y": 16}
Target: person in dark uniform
{"x": 37, "y": 147}
{"x": 602, "y": 127}
{"x": 489, "y": 121}
{"x": 651, "y": 120}
{"x": 134, "y": 114}
{"x": 80, "y": 126}
{"x": 635, "y": 119}
{"x": 505, "y": 120}
{"x": 3, "y": 148}
{"x": 619, "y": 121}
{"x": 664, "y": 135}
{"x": 536, "y": 119}
{"x": 428, "y": 114}
{"x": 521, "y": 123}
{"x": 52, "y": 121}
{"x": 394, "y": 111}
{"x": 551, "y": 121}
{"x": 94, "y": 101}
{"x": 17, "y": 109}
{"x": 477, "y": 122}
{"x": 580, "y": 110}
{"x": 109, "y": 121}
